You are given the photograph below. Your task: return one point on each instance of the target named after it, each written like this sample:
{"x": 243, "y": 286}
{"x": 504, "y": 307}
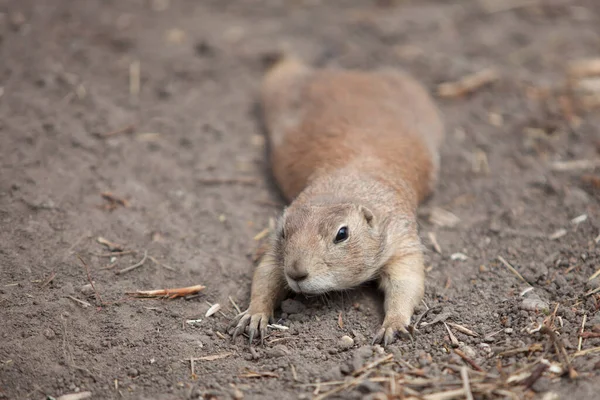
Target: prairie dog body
{"x": 355, "y": 153}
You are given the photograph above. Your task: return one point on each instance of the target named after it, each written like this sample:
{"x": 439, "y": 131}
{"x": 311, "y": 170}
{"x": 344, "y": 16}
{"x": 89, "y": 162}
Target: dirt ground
{"x": 183, "y": 144}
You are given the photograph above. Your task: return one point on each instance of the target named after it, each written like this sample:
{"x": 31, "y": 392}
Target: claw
{"x": 377, "y": 338}
{"x": 251, "y": 333}
{"x": 263, "y": 330}
{"x": 241, "y": 325}
{"x": 387, "y": 335}
{"x": 236, "y": 320}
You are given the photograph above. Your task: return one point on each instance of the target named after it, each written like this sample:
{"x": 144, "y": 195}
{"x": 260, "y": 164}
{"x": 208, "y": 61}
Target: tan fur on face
{"x": 348, "y": 148}
{"x": 309, "y": 241}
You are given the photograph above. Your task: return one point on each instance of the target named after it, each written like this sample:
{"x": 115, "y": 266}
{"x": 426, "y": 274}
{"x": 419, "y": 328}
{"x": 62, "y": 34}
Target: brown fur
{"x": 355, "y": 149}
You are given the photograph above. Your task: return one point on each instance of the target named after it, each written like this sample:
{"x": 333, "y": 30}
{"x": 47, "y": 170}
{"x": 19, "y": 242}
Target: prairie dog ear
{"x": 368, "y": 215}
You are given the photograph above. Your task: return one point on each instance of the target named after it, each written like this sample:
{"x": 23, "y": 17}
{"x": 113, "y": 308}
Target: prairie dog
{"x": 354, "y": 152}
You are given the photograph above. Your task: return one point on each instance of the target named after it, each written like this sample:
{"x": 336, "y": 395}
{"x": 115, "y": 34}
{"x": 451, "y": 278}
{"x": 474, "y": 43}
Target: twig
{"x": 560, "y": 351}
{"x": 585, "y": 352}
{"x": 82, "y": 303}
{"x": 155, "y": 261}
{"x": 134, "y": 266}
{"x": 472, "y": 363}
{"x": 262, "y": 234}
{"x": 596, "y": 274}
{"x": 344, "y": 386}
{"x": 212, "y": 357}
{"x": 464, "y": 374}
{"x": 89, "y": 277}
{"x": 447, "y": 395}
{"x": 512, "y": 269}
{"x": 235, "y": 305}
{"x": 256, "y": 374}
{"x": 529, "y": 349}
{"x": 167, "y": 293}
{"x": 294, "y": 374}
{"x": 114, "y": 199}
{"x": 126, "y": 129}
{"x": 590, "y": 335}
{"x": 112, "y": 246}
{"x": 574, "y": 165}
{"x": 593, "y": 291}
{"x": 580, "y": 343}
{"x": 373, "y": 364}
{"x": 462, "y": 329}
{"x": 468, "y": 84}
{"x": 49, "y": 280}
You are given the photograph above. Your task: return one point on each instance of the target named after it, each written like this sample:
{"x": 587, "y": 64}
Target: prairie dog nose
{"x": 297, "y": 271}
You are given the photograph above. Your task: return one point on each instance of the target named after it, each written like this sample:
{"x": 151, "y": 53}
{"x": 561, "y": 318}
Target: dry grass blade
{"x": 529, "y": 349}
{"x": 49, "y": 280}
{"x": 464, "y": 374}
{"x": 213, "y": 357}
{"x": 260, "y": 235}
{"x": 512, "y": 269}
{"x": 344, "y": 386}
{"x": 468, "y": 84}
{"x": 580, "y": 342}
{"x": 462, "y": 329}
{"x": 112, "y": 246}
{"x": 585, "y": 352}
{"x": 439, "y": 216}
{"x": 257, "y": 374}
{"x": 234, "y": 305}
{"x": 134, "y": 266}
{"x": 594, "y": 276}
{"x": 167, "y": 293}
{"x": 447, "y": 395}
{"x": 82, "y": 303}
{"x": 560, "y": 351}
{"x": 593, "y": 291}
{"x": 373, "y": 364}
{"x": 465, "y": 358}
{"x": 573, "y": 165}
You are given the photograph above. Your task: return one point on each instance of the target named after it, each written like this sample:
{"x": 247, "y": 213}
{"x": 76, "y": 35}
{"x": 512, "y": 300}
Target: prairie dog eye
{"x": 342, "y": 235}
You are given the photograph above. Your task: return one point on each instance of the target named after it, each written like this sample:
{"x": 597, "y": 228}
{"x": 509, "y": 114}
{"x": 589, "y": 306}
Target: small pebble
{"x": 49, "y": 334}
{"x": 87, "y": 290}
{"x": 345, "y": 342}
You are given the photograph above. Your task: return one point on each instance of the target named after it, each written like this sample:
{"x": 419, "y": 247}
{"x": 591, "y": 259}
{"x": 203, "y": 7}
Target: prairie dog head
{"x": 328, "y": 247}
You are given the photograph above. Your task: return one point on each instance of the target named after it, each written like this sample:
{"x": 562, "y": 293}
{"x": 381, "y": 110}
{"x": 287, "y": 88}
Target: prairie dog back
{"x": 354, "y": 152}
{"x": 322, "y": 120}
